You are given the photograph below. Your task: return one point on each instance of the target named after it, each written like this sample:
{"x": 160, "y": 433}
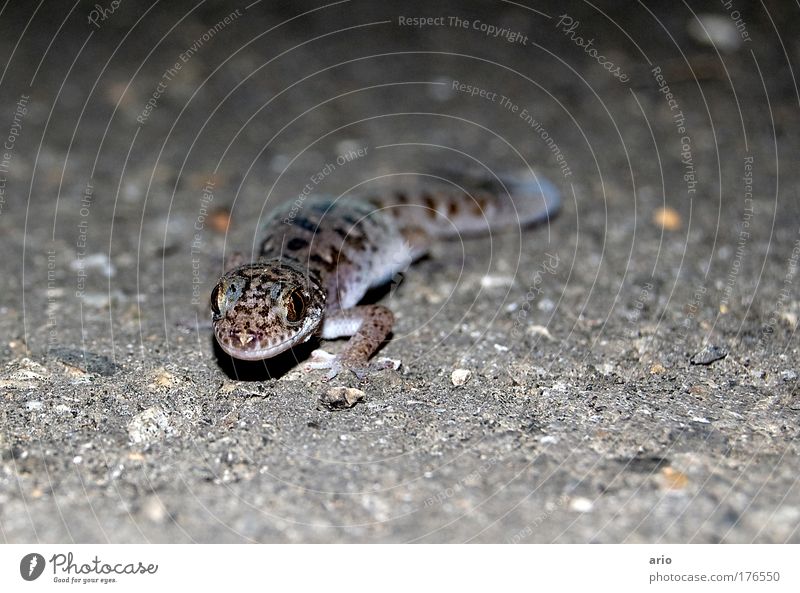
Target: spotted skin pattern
{"x": 317, "y": 262}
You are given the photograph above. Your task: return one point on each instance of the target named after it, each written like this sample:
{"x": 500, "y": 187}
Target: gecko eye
{"x": 216, "y": 298}
{"x": 295, "y": 306}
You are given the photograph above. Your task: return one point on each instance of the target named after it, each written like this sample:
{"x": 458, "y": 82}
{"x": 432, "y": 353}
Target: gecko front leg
{"x": 367, "y": 324}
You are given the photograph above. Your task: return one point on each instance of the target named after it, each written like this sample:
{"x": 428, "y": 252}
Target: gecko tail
{"x": 468, "y": 204}
{"x": 535, "y": 200}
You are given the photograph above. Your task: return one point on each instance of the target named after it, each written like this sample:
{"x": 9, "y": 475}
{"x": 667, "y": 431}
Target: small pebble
{"x": 541, "y": 330}
{"x": 154, "y": 509}
{"x": 388, "y": 363}
{"x": 26, "y": 374}
{"x": 101, "y": 300}
{"x": 163, "y": 378}
{"x": 219, "y": 219}
{"x": 667, "y": 218}
{"x": 95, "y": 261}
{"x": 341, "y": 398}
{"x": 149, "y": 426}
{"x": 709, "y": 354}
{"x": 546, "y": 305}
{"x": 496, "y": 281}
{"x": 581, "y": 505}
{"x": 460, "y": 377}
{"x": 605, "y": 368}
{"x": 672, "y": 479}
{"x": 95, "y": 300}
{"x": 716, "y": 30}
{"x": 349, "y": 145}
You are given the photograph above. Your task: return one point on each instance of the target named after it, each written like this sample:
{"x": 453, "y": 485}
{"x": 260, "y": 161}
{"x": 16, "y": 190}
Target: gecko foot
{"x": 322, "y": 360}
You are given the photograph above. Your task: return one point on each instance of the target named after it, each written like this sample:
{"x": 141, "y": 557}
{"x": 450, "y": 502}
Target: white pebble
{"x": 460, "y": 376}
{"x": 581, "y": 505}
{"x": 149, "y": 426}
{"x": 388, "y": 363}
{"x": 716, "y": 30}
{"x": 154, "y": 509}
{"x": 605, "y": 368}
{"x": 541, "y": 330}
{"x": 97, "y": 261}
{"x": 546, "y": 305}
{"x": 496, "y": 281}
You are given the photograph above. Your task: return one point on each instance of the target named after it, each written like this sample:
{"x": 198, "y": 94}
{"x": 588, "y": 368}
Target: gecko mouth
{"x": 251, "y": 347}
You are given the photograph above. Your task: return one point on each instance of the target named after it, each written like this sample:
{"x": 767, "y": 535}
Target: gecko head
{"x": 262, "y": 309}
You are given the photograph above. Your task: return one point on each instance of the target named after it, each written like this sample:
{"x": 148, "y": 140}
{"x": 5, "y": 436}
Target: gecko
{"x": 316, "y": 262}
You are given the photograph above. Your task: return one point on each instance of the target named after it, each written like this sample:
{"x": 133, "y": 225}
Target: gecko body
{"x": 317, "y": 262}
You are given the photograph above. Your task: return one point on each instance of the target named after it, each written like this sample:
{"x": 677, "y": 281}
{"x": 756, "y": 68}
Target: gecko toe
{"x": 359, "y": 372}
{"x": 335, "y": 367}
{"x": 321, "y": 356}
{"x": 322, "y": 360}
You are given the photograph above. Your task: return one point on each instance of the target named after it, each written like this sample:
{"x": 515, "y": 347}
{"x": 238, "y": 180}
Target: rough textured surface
{"x": 583, "y": 419}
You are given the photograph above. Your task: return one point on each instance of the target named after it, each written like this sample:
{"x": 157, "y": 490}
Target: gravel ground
{"x": 627, "y": 373}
